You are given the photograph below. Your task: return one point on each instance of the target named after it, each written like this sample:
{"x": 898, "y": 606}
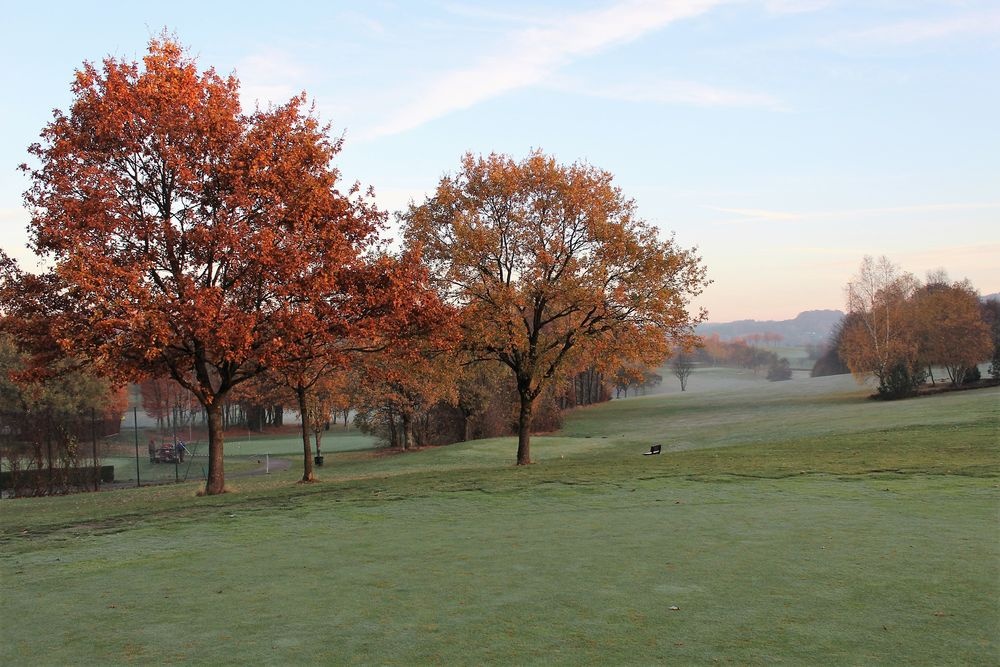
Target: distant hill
{"x": 812, "y": 326}
{"x": 986, "y": 297}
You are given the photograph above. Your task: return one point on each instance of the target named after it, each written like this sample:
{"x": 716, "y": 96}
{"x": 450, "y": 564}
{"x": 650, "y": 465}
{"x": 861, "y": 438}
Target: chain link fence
{"x": 48, "y": 453}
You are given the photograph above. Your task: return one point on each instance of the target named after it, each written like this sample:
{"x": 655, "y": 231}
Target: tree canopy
{"x": 188, "y": 232}
{"x": 552, "y": 268}
{"x": 897, "y": 328}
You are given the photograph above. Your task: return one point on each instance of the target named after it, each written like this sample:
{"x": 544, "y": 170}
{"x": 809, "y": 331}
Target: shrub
{"x": 971, "y": 375}
{"x": 901, "y": 381}
{"x": 779, "y": 370}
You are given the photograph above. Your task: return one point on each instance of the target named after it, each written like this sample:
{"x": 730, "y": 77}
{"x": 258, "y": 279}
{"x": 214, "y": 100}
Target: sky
{"x": 785, "y": 139}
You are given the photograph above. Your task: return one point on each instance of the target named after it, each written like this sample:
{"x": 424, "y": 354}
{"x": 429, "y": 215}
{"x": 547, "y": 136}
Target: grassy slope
{"x": 796, "y": 522}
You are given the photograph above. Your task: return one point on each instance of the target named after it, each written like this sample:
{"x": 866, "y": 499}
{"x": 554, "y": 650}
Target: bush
{"x": 972, "y": 374}
{"x": 901, "y": 381}
{"x": 779, "y": 370}
{"x": 829, "y": 364}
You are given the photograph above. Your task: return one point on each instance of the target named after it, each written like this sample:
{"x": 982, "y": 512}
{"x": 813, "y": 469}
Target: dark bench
{"x": 653, "y": 449}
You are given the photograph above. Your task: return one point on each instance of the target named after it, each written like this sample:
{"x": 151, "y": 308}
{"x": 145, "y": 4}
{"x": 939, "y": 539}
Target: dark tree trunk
{"x": 216, "y": 482}
{"x": 466, "y": 428}
{"x": 307, "y": 461}
{"x": 255, "y": 418}
{"x": 407, "y": 421}
{"x": 393, "y": 431}
{"x": 524, "y": 431}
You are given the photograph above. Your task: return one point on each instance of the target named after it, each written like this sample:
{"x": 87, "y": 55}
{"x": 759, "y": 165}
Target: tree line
{"x": 899, "y": 329}
{"x": 742, "y": 352}
{"x": 186, "y": 238}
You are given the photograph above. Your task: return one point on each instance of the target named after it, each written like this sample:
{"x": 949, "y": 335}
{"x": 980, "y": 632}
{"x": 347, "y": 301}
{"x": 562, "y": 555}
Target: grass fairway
{"x": 794, "y": 522}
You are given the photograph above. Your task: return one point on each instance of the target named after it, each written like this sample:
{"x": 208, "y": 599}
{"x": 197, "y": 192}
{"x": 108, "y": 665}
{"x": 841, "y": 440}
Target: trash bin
{"x": 318, "y": 460}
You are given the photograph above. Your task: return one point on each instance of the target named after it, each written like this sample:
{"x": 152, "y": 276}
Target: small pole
{"x": 135, "y": 428}
{"x": 267, "y": 464}
{"x": 177, "y": 453}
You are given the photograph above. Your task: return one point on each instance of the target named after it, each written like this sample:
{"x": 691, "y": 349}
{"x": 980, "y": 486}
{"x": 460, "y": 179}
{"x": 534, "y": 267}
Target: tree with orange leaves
{"x": 177, "y": 224}
{"x": 877, "y": 337}
{"x": 372, "y": 304}
{"x": 549, "y": 263}
{"x": 949, "y": 328}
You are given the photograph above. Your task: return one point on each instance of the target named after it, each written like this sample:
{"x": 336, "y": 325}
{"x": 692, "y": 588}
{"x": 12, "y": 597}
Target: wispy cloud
{"x": 533, "y": 54}
{"x": 672, "y": 91}
{"x": 795, "y": 6}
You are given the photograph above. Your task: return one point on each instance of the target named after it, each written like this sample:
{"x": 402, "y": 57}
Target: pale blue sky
{"x": 786, "y": 139}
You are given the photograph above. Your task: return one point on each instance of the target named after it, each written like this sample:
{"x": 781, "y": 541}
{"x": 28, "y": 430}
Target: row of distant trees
{"x": 899, "y": 329}
{"x": 188, "y": 239}
{"x": 744, "y": 352}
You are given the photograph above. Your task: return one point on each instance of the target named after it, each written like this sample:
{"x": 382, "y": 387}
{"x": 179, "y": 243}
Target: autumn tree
{"x": 898, "y": 329}
{"x": 682, "y": 365}
{"x": 877, "y": 339}
{"x": 991, "y": 315}
{"x": 374, "y": 304}
{"x": 174, "y": 222}
{"x": 949, "y": 328}
{"x": 170, "y": 404}
{"x": 401, "y": 384}
{"x": 329, "y": 395}
{"x": 547, "y": 261}
{"x": 478, "y": 386}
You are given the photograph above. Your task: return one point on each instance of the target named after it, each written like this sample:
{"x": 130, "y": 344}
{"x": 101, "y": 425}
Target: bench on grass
{"x": 653, "y": 449}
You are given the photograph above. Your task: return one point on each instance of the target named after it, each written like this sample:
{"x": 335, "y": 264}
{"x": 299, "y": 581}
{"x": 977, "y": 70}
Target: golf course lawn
{"x": 794, "y": 522}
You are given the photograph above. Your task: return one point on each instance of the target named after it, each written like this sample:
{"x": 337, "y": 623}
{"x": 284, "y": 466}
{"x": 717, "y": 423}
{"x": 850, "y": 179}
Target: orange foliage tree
{"x": 549, "y": 262}
{"x": 399, "y": 386}
{"x": 368, "y": 305}
{"x": 897, "y": 327}
{"x": 167, "y": 402}
{"x": 949, "y": 328}
{"x": 176, "y": 222}
{"x": 877, "y": 337}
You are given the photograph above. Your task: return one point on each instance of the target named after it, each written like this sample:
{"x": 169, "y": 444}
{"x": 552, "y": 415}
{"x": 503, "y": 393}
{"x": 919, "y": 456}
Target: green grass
{"x": 794, "y": 523}
{"x": 337, "y": 439}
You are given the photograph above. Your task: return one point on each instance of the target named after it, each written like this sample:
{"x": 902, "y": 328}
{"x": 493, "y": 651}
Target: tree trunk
{"x": 407, "y": 429}
{"x": 307, "y": 461}
{"x": 524, "y": 431}
{"x": 391, "y": 423}
{"x": 466, "y": 427}
{"x": 216, "y": 482}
